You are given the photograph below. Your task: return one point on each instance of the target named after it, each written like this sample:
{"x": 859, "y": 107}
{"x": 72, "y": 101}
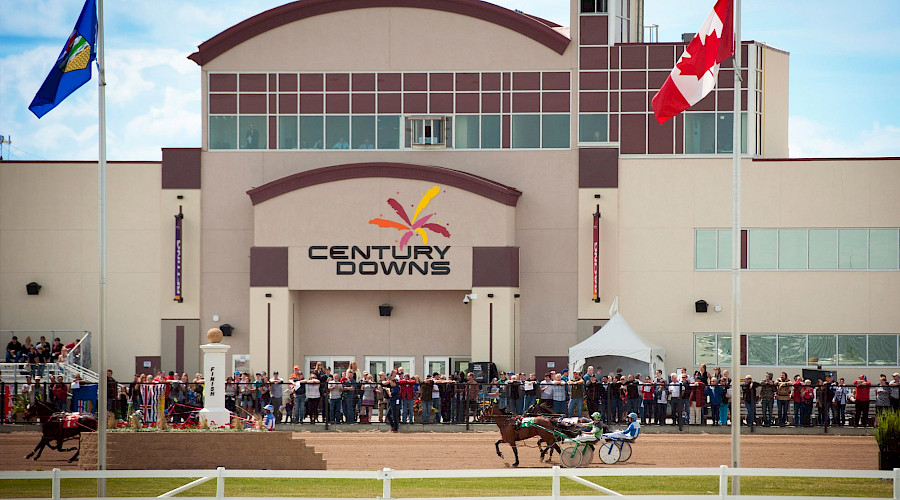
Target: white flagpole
{"x": 104, "y": 272}
{"x": 736, "y": 258}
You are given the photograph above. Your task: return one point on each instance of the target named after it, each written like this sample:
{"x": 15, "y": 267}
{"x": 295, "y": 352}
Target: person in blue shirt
{"x": 269, "y": 419}
{"x": 715, "y": 392}
{"x": 634, "y": 428}
{"x": 341, "y": 144}
{"x": 394, "y": 406}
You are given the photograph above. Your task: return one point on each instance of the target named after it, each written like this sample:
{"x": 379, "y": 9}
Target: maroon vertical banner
{"x": 596, "y": 255}
{"x": 178, "y": 254}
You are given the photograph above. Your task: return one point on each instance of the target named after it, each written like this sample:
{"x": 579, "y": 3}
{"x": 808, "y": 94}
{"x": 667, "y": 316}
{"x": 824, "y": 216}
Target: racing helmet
{"x": 632, "y": 416}
{"x": 596, "y": 415}
{"x": 269, "y": 407}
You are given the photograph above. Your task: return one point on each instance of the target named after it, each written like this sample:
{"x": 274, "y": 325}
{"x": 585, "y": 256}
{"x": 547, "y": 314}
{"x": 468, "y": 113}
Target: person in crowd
{"x": 368, "y": 400}
{"x": 300, "y": 386}
{"x": 767, "y": 399}
{"x": 797, "y": 399}
{"x": 697, "y": 400}
{"x": 647, "y": 402}
{"x": 895, "y": 391}
{"x": 592, "y": 391}
{"x": 827, "y": 399}
{"x": 39, "y": 358}
{"x": 862, "y": 397}
{"x": 348, "y": 396}
{"x": 245, "y": 389}
{"x": 269, "y": 418}
{"x": 60, "y": 394}
{"x": 471, "y": 395}
{"x": 394, "y": 405}
{"x": 632, "y": 395}
{"x": 882, "y": 396}
{"x": 230, "y": 394}
{"x": 321, "y": 375}
{"x": 559, "y": 395}
{"x": 714, "y": 393}
{"x": 576, "y": 395}
{"x": 807, "y": 396}
{"x": 313, "y": 396}
{"x": 614, "y": 393}
{"x": 55, "y": 350}
{"x": 178, "y": 395}
{"x": 335, "y": 390}
{"x": 124, "y": 403}
{"x": 446, "y": 390}
{"x": 14, "y": 350}
{"x": 27, "y": 389}
{"x": 514, "y": 394}
{"x": 426, "y": 389}
{"x": 407, "y": 398}
{"x": 503, "y": 397}
{"x": 661, "y": 398}
{"x": 276, "y": 395}
{"x": 546, "y": 390}
{"x": 783, "y": 389}
{"x": 749, "y": 395}
{"x": 675, "y": 390}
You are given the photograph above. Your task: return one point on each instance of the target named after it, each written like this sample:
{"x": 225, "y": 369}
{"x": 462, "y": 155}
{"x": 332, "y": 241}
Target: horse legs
{"x": 75, "y": 456}
{"x": 516, "y": 454}
{"x": 38, "y": 449}
{"x": 497, "y": 446}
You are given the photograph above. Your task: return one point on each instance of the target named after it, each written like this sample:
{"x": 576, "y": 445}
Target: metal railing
{"x": 386, "y": 476}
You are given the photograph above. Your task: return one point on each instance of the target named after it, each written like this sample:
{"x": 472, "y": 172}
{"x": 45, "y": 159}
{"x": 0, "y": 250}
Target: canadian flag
{"x": 697, "y": 70}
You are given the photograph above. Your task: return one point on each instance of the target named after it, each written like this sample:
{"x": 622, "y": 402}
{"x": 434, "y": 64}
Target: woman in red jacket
{"x": 863, "y": 397}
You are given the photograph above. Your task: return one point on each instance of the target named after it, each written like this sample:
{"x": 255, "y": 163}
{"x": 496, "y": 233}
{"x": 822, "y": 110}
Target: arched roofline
{"x": 439, "y": 175}
{"x": 279, "y": 16}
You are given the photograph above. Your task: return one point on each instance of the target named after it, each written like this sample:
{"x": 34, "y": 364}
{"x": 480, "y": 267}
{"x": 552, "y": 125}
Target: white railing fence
{"x": 556, "y": 474}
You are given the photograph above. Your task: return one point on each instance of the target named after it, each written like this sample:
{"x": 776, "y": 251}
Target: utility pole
{"x": 4, "y": 139}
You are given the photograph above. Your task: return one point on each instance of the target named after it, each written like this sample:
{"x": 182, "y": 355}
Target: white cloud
{"x": 811, "y": 139}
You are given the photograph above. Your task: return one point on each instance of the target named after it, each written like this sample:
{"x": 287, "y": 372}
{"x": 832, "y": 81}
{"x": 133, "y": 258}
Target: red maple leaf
{"x": 699, "y": 57}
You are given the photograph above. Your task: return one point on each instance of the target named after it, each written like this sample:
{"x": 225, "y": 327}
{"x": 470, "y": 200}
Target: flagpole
{"x": 736, "y": 258}
{"x": 104, "y": 271}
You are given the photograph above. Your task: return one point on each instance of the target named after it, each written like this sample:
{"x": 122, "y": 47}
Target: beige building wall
{"x": 775, "y": 105}
{"x": 662, "y": 202}
{"x": 48, "y": 234}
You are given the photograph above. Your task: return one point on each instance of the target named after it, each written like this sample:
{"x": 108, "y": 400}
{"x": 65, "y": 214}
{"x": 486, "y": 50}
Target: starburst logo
{"x": 416, "y": 225}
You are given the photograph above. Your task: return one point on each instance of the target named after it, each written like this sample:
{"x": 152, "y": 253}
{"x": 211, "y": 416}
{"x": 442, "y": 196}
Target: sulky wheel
{"x": 570, "y": 456}
{"x": 588, "y": 455}
{"x": 609, "y": 453}
{"x": 625, "y": 454}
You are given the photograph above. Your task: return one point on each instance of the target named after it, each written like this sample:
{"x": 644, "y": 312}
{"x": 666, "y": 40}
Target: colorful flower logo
{"x": 414, "y": 225}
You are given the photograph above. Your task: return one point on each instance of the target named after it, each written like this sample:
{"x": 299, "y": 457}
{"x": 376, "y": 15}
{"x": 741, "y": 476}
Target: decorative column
{"x": 214, "y": 375}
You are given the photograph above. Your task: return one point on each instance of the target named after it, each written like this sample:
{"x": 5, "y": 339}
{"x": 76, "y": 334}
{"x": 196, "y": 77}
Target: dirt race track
{"x": 376, "y": 450}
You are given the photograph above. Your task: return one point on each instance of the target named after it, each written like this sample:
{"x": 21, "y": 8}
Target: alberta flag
{"x": 73, "y": 66}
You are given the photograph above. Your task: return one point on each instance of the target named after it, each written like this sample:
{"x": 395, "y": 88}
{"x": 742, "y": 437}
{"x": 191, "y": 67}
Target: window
{"x": 724, "y": 249}
{"x": 555, "y": 131}
{"x": 884, "y": 252}
{"x": 699, "y": 133}
{"x": 823, "y": 249}
{"x": 882, "y": 350}
{"x": 792, "y": 350}
{"x": 363, "y": 132}
{"x": 762, "y": 350}
{"x": 338, "y": 364}
{"x": 490, "y": 132}
{"x": 287, "y": 132}
{"x": 724, "y": 350}
{"x": 593, "y": 127}
{"x": 792, "y": 249}
{"x": 337, "y": 132}
{"x": 762, "y": 251}
{"x": 801, "y": 349}
{"x": 437, "y": 364}
{"x": 388, "y": 132}
{"x": 852, "y": 249}
{"x": 311, "y": 136}
{"x": 222, "y": 132}
{"x": 823, "y": 348}
{"x": 592, "y": 6}
{"x": 705, "y": 349}
{"x": 526, "y": 131}
{"x": 725, "y": 133}
{"x": 467, "y": 136}
{"x": 851, "y": 350}
{"x": 426, "y": 131}
{"x": 378, "y": 364}
{"x": 253, "y": 132}
{"x": 705, "y": 248}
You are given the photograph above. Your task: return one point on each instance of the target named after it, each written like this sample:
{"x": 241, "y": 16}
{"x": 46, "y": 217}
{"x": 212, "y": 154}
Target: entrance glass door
{"x": 338, "y": 364}
{"x": 378, "y": 364}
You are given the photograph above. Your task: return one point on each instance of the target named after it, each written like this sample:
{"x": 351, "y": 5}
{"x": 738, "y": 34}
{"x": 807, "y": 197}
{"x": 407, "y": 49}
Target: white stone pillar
{"x": 214, "y": 375}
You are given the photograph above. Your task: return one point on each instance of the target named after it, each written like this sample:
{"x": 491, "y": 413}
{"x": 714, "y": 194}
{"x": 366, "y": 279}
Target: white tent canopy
{"x": 617, "y": 345}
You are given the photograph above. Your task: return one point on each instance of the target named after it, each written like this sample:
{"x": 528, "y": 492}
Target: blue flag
{"x": 73, "y": 66}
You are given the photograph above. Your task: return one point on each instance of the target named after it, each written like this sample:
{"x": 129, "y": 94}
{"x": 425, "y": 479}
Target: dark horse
{"x": 59, "y": 427}
{"x": 511, "y": 431}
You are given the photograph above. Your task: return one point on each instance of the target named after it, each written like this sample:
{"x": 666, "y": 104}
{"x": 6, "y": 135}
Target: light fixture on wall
{"x": 469, "y": 297}
{"x": 33, "y": 288}
{"x": 701, "y": 306}
{"x": 227, "y": 329}
{"x": 717, "y": 308}
{"x": 385, "y": 309}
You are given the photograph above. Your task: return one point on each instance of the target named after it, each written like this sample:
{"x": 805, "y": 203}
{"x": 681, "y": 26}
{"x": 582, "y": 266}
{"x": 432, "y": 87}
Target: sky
{"x": 844, "y": 63}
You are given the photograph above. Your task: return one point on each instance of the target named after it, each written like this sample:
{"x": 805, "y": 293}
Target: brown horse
{"x": 511, "y": 431}
{"x": 59, "y": 427}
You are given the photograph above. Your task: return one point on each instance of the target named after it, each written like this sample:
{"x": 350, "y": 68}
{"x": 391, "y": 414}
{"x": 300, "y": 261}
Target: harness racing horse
{"x": 511, "y": 431}
{"x": 59, "y": 427}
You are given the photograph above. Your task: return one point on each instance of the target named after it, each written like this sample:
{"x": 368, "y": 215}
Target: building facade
{"x": 366, "y": 191}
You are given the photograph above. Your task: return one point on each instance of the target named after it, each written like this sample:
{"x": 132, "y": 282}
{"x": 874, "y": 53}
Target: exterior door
{"x": 378, "y": 364}
{"x": 146, "y": 364}
{"x": 546, "y": 364}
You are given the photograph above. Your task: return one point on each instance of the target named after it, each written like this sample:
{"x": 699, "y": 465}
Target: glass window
{"x": 883, "y": 249}
{"x": 591, "y": 6}
{"x": 388, "y": 132}
{"x": 852, "y": 249}
{"x": 311, "y": 132}
{"x": 526, "y": 131}
{"x": 851, "y": 349}
{"x": 762, "y": 350}
{"x": 792, "y": 350}
{"x": 823, "y": 249}
{"x": 883, "y": 350}
{"x": 222, "y": 132}
{"x": 363, "y": 132}
{"x": 725, "y": 131}
{"x": 823, "y": 347}
{"x": 467, "y": 133}
{"x": 426, "y": 131}
{"x": 724, "y": 350}
{"x": 705, "y": 350}
{"x": 724, "y": 257}
{"x": 593, "y": 127}
{"x": 337, "y": 132}
{"x": 490, "y": 132}
{"x": 762, "y": 251}
{"x": 699, "y": 133}
{"x": 792, "y": 249}
{"x": 253, "y": 132}
{"x": 705, "y": 249}
{"x": 555, "y": 131}
{"x": 287, "y": 132}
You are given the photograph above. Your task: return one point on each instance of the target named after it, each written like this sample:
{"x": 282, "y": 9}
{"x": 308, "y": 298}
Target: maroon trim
{"x": 268, "y": 266}
{"x": 337, "y": 103}
{"x": 312, "y": 82}
{"x": 661, "y": 57}
{"x": 593, "y": 102}
{"x": 744, "y": 244}
{"x": 389, "y": 103}
{"x": 388, "y": 82}
{"x": 468, "y": 182}
{"x": 415, "y": 103}
{"x": 180, "y": 168}
{"x": 441, "y": 103}
{"x": 252, "y": 103}
{"x": 222, "y": 104}
{"x": 415, "y": 81}
{"x": 526, "y": 81}
{"x": 526, "y": 102}
{"x": 593, "y": 81}
{"x": 223, "y": 82}
{"x": 634, "y": 134}
{"x": 598, "y": 168}
{"x": 252, "y": 82}
{"x": 634, "y": 80}
{"x": 466, "y": 103}
{"x": 287, "y": 82}
{"x": 179, "y": 348}
{"x": 594, "y": 30}
{"x": 364, "y": 82}
{"x": 311, "y": 104}
{"x": 337, "y": 82}
{"x": 659, "y": 137}
{"x": 466, "y": 81}
{"x": 505, "y": 133}
{"x": 556, "y": 81}
{"x": 273, "y": 132}
{"x": 594, "y": 57}
{"x": 490, "y": 103}
{"x": 490, "y": 81}
{"x": 363, "y": 103}
{"x": 287, "y": 103}
{"x": 495, "y": 266}
{"x": 441, "y": 81}
{"x": 556, "y": 102}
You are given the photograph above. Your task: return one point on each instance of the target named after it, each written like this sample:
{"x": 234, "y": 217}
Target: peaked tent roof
{"x": 616, "y": 338}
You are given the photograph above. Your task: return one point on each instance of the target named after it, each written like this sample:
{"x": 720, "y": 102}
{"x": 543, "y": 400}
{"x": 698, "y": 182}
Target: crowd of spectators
{"x": 37, "y": 355}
